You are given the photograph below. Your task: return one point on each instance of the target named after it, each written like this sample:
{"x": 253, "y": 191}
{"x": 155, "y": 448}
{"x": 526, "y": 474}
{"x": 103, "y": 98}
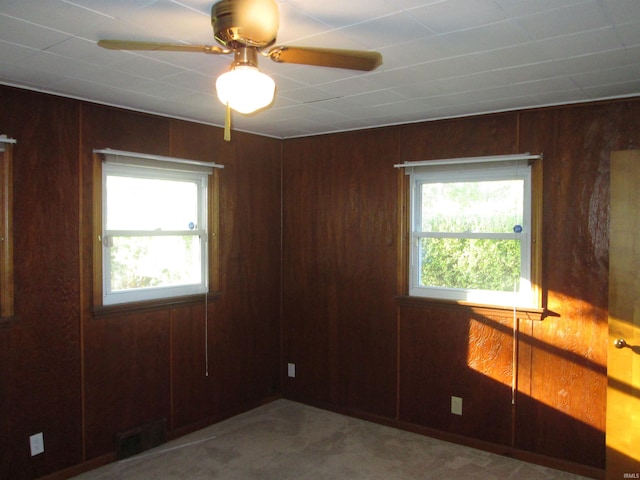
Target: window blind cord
{"x": 206, "y": 335}
{"x": 514, "y": 358}
{"x": 514, "y": 353}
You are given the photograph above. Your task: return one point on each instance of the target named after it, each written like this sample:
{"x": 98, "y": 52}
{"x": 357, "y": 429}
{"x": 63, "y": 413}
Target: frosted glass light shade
{"x": 245, "y": 88}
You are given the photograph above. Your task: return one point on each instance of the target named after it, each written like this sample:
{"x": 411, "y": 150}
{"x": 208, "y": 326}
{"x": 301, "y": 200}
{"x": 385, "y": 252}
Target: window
{"x": 474, "y": 231}
{"x": 154, "y": 240}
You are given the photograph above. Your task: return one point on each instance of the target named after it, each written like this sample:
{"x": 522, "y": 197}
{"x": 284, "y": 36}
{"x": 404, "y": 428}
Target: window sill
{"x": 523, "y": 313}
{"x": 152, "y": 305}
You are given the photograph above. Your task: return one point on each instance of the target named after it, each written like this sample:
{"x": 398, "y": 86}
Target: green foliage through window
{"x": 143, "y": 262}
{"x": 478, "y": 264}
{"x": 470, "y": 233}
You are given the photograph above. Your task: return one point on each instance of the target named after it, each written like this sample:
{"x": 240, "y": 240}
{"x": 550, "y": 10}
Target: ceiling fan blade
{"x": 327, "y": 57}
{"x": 158, "y": 46}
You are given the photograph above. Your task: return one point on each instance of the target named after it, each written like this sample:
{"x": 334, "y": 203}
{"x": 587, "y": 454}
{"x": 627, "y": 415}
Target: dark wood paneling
{"x": 126, "y": 357}
{"x": 339, "y": 259}
{"x": 244, "y": 323}
{"x": 81, "y": 379}
{"x": 202, "y": 142}
{"x": 308, "y": 338}
{"x": 462, "y": 137}
{"x": 447, "y": 352}
{"x": 242, "y": 348}
{"x": 126, "y": 376}
{"x": 565, "y": 374}
{"x": 364, "y": 242}
{"x": 194, "y": 382}
{"x": 245, "y": 338}
{"x": 561, "y": 361}
{"x": 107, "y": 127}
{"x": 452, "y": 352}
{"x": 40, "y": 353}
{"x": 338, "y": 267}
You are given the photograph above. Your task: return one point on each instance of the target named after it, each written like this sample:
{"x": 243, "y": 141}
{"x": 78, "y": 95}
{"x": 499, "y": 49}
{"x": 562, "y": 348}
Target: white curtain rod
{"x": 3, "y": 140}
{"x": 109, "y": 151}
{"x": 451, "y": 161}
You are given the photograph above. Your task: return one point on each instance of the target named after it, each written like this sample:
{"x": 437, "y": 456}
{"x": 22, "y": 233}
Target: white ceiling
{"x": 441, "y": 58}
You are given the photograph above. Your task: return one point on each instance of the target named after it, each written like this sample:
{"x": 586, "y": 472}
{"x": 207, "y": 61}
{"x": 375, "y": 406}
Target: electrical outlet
{"x": 37, "y": 444}
{"x": 456, "y": 405}
{"x": 291, "y": 369}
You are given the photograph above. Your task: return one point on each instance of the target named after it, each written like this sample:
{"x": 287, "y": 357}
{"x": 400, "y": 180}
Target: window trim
{"x": 405, "y": 231}
{"x": 100, "y": 308}
{"x": 7, "y": 286}
{"x": 113, "y": 297}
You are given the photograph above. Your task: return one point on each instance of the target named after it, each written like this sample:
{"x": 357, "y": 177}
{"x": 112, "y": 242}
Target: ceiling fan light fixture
{"x": 245, "y": 88}
{"x": 247, "y": 28}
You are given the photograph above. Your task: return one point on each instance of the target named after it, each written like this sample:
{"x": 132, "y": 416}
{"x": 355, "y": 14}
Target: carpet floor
{"x": 287, "y": 440}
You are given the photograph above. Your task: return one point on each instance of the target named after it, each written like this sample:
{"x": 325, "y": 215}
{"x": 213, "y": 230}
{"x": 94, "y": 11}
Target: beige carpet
{"x": 289, "y": 440}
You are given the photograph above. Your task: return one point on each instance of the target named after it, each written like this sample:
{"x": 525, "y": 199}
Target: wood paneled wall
{"x": 40, "y": 359}
{"x": 359, "y": 350}
{"x": 339, "y": 199}
{"x": 81, "y": 378}
{"x": 309, "y": 253}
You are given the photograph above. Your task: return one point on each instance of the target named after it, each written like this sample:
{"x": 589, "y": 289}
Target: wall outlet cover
{"x": 36, "y": 442}
{"x": 291, "y": 370}
{"x": 456, "y": 405}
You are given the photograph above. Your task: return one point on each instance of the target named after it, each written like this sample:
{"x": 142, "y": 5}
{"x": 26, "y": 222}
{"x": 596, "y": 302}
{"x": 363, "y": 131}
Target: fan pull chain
{"x": 227, "y": 124}
{"x": 206, "y": 334}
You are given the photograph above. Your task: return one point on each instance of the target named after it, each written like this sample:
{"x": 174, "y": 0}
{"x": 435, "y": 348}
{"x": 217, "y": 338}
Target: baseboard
{"x": 81, "y": 467}
{"x": 232, "y": 412}
{"x": 506, "y": 451}
{"x": 171, "y": 435}
{"x": 503, "y": 450}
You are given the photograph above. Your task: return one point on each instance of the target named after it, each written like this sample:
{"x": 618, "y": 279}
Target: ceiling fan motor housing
{"x": 251, "y": 23}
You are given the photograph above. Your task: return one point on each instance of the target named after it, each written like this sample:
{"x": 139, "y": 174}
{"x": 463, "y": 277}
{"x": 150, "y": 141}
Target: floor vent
{"x": 141, "y": 438}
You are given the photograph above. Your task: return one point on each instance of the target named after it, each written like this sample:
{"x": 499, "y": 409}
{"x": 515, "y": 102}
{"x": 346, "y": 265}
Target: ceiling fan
{"x": 247, "y": 28}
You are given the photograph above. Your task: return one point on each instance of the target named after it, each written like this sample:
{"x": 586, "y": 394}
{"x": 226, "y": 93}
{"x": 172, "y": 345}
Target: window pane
{"x": 470, "y": 264}
{"x": 151, "y": 204}
{"x": 144, "y": 262}
{"x": 477, "y": 207}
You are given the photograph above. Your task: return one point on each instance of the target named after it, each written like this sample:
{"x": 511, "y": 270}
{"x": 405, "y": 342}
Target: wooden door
{"x": 623, "y": 365}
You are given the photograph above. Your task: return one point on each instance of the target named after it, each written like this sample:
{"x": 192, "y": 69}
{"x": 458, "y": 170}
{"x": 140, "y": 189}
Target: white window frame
{"x": 154, "y": 167}
{"x": 472, "y": 169}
